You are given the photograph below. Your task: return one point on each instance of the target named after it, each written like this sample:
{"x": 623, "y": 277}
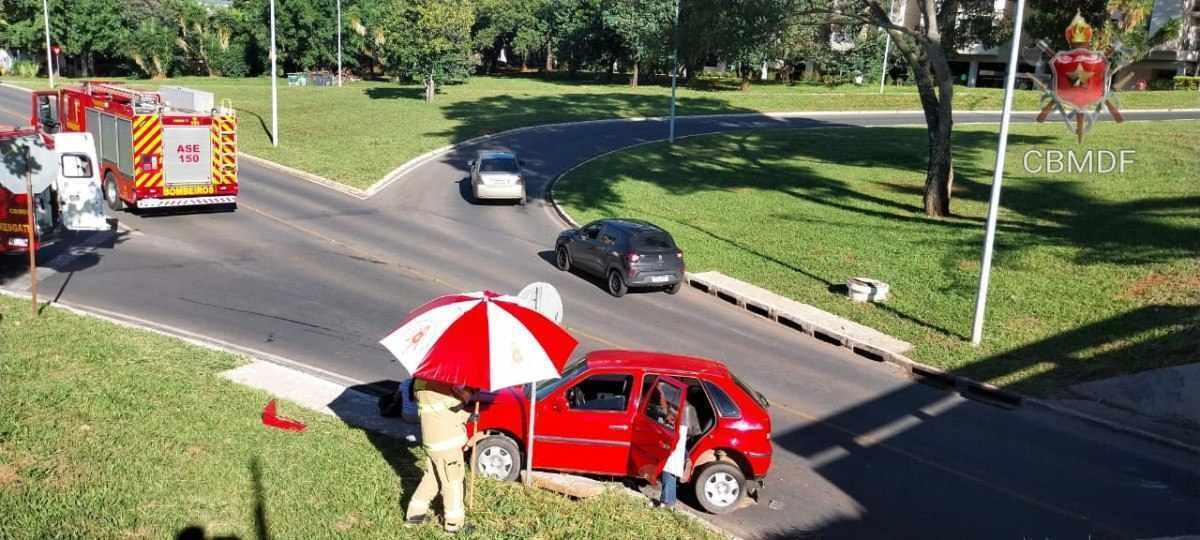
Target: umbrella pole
{"x": 474, "y": 460}
{"x": 529, "y": 440}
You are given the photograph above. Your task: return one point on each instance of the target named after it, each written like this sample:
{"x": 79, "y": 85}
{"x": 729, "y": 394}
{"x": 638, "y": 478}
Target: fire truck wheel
{"x": 110, "y": 193}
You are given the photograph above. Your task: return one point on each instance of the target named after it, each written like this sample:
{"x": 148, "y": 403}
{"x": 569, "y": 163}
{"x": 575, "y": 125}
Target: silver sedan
{"x": 497, "y": 175}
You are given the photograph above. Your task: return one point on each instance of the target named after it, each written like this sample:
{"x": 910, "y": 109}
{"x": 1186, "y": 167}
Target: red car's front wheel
{"x": 497, "y": 456}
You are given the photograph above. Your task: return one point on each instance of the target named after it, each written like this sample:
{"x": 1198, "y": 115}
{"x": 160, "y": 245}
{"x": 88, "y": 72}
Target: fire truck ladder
{"x": 225, "y": 136}
{"x": 142, "y": 102}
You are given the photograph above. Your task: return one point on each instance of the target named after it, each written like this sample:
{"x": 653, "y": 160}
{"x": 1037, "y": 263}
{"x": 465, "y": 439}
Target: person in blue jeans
{"x": 677, "y": 461}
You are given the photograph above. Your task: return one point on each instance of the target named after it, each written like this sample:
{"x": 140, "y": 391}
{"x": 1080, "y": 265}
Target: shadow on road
{"x": 70, "y": 253}
{"x": 1001, "y": 477}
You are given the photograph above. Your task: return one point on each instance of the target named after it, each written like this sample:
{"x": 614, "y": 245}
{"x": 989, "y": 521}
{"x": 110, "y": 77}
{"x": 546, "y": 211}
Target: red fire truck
{"x": 65, "y": 184}
{"x": 170, "y": 148}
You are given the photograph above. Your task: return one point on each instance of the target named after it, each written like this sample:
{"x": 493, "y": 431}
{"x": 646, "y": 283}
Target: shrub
{"x": 27, "y": 69}
{"x": 1183, "y": 82}
{"x": 232, "y": 61}
{"x": 1161, "y": 84}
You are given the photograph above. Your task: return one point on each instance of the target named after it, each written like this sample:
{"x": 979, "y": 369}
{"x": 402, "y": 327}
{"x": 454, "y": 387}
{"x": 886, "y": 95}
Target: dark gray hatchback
{"x": 625, "y": 252}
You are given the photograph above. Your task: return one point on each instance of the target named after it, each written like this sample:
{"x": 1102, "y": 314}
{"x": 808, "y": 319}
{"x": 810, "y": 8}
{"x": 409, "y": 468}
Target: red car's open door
{"x": 656, "y": 428}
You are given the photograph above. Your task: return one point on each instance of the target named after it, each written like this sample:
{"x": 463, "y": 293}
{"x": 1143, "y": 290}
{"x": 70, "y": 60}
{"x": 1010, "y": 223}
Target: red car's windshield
{"x": 544, "y": 388}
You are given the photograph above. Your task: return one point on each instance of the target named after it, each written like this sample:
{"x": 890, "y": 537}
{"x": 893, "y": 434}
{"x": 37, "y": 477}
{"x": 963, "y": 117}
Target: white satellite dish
{"x": 543, "y": 298}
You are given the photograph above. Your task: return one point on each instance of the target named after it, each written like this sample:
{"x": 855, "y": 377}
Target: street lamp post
{"x": 887, "y": 48}
{"x": 274, "y": 90}
{"x": 49, "y": 58}
{"x": 674, "y": 71}
{"x": 339, "y": 35}
{"x": 994, "y": 203}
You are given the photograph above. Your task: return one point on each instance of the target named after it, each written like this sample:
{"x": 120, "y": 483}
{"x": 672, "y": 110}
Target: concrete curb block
{"x": 1115, "y": 426}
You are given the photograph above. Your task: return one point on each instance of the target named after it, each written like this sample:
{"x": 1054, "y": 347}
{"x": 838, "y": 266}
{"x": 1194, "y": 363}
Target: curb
{"x": 966, "y": 387}
{"x": 193, "y": 338}
{"x": 1115, "y": 426}
{"x": 305, "y": 175}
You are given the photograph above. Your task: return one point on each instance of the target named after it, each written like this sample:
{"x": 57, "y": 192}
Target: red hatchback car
{"x": 615, "y": 413}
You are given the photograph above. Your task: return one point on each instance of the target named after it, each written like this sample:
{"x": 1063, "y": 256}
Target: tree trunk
{"x": 633, "y": 79}
{"x": 430, "y": 88}
{"x": 936, "y": 99}
{"x": 549, "y": 59}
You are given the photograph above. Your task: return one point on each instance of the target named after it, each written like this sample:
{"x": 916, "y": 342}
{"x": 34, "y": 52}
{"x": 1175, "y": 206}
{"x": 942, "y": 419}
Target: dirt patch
{"x": 1183, "y": 286}
{"x": 349, "y": 521}
{"x": 1142, "y": 286}
{"x": 9, "y": 476}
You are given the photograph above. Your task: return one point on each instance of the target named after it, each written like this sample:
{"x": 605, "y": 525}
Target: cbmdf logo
{"x": 1082, "y": 82}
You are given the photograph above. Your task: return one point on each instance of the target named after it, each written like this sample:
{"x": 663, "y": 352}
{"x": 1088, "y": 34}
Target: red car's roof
{"x": 655, "y": 360}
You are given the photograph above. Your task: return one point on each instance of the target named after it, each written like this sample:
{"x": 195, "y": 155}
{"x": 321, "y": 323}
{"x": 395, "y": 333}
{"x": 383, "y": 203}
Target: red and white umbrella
{"x": 481, "y": 340}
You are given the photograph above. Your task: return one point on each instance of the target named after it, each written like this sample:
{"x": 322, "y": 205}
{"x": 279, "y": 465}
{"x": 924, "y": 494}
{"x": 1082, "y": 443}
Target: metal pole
{"x": 887, "y": 48}
{"x": 529, "y": 439}
{"x": 32, "y": 246}
{"x": 339, "y": 34}
{"x": 674, "y": 71}
{"x": 49, "y": 59}
{"x": 274, "y": 90}
{"x": 994, "y": 203}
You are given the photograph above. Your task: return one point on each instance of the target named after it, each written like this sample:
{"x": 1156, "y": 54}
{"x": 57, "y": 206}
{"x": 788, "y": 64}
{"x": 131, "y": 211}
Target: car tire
{"x": 616, "y": 284}
{"x": 562, "y": 258}
{"x": 497, "y": 457}
{"x": 674, "y": 289}
{"x": 720, "y": 487}
{"x": 111, "y": 196}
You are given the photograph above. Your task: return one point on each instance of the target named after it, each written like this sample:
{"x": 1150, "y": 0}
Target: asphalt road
{"x": 312, "y": 275}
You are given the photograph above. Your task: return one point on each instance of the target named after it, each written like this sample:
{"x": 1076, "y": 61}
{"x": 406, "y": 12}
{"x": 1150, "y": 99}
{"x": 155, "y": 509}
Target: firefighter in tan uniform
{"x": 444, "y": 415}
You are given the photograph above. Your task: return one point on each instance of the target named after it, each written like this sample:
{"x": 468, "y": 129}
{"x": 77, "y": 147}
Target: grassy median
{"x": 107, "y": 432}
{"x": 1095, "y": 274}
{"x": 358, "y": 133}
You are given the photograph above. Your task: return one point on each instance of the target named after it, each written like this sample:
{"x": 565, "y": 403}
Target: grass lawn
{"x": 107, "y": 432}
{"x": 1094, "y": 275}
{"x": 358, "y": 133}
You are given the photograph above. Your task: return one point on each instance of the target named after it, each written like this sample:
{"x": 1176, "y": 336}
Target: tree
{"x": 928, "y": 32}
{"x": 429, "y": 41}
{"x": 515, "y": 24}
{"x": 365, "y": 41}
{"x": 737, "y": 31}
{"x": 90, "y": 28}
{"x": 643, "y": 26}
{"x": 152, "y": 46}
